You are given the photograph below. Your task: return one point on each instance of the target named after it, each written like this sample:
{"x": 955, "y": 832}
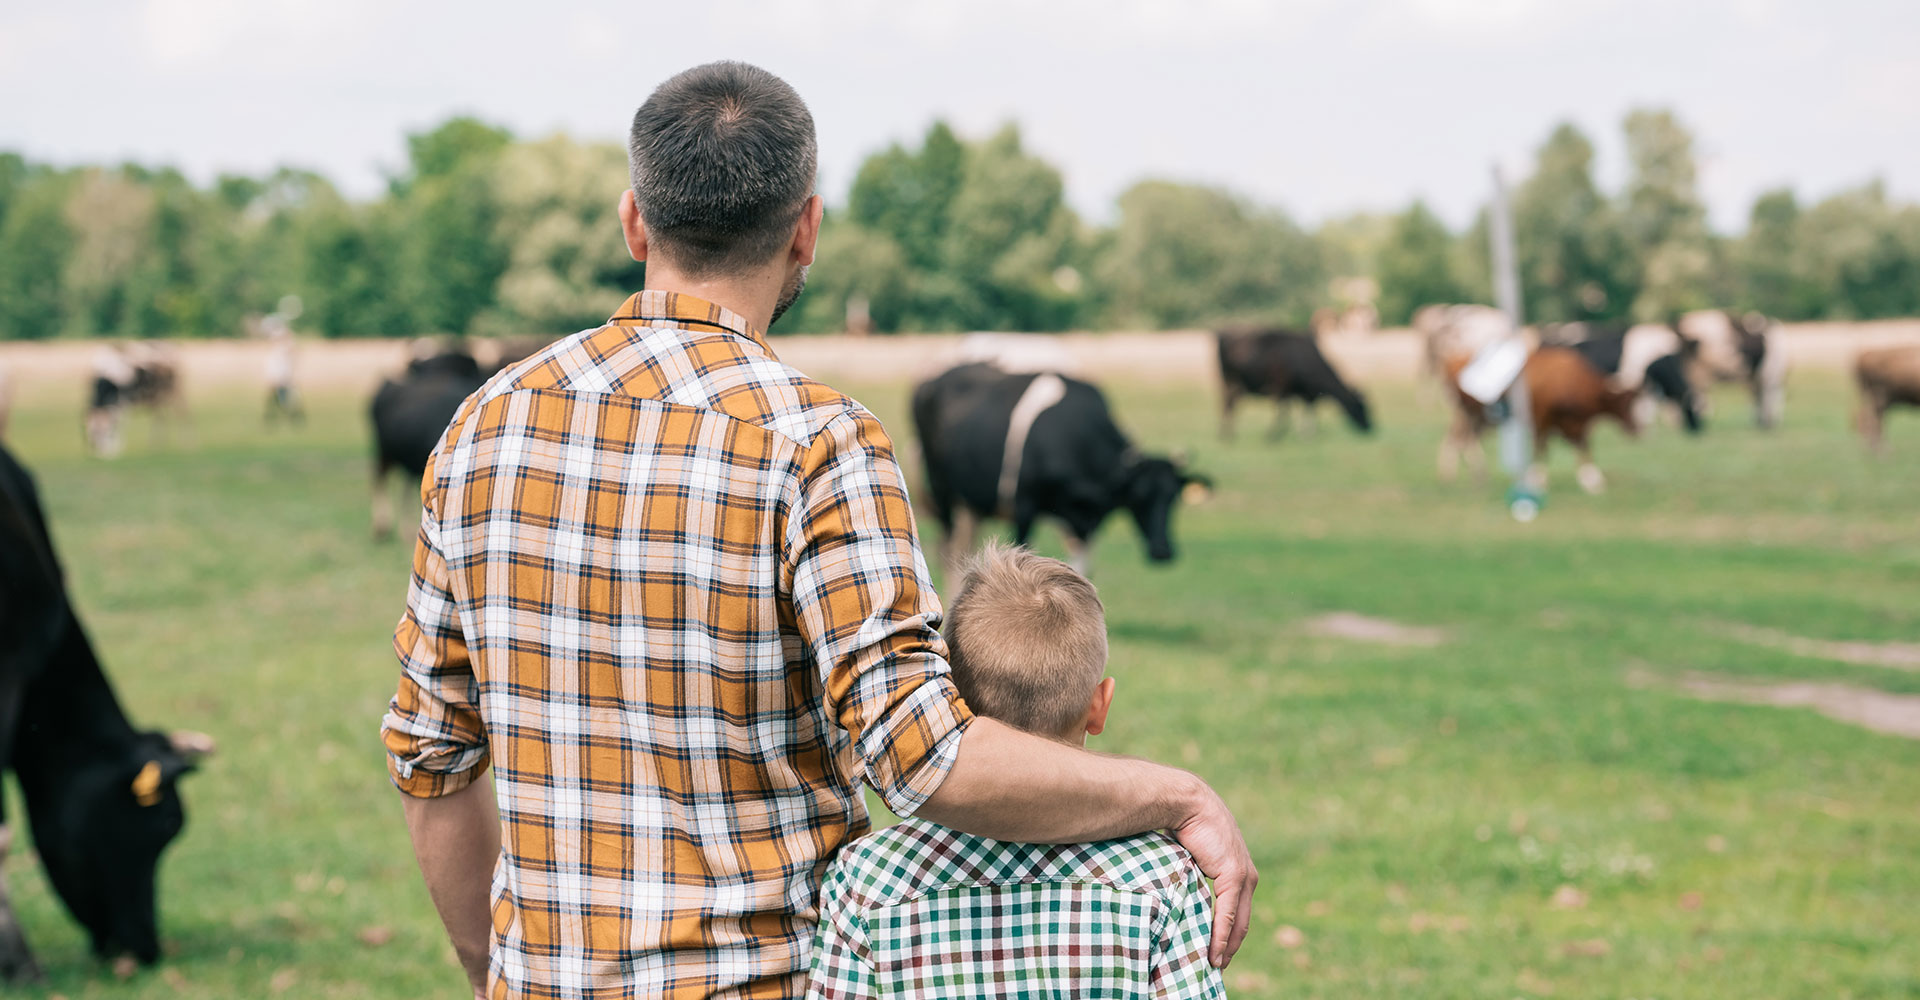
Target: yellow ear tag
{"x": 1196, "y": 493}
{"x": 146, "y": 784}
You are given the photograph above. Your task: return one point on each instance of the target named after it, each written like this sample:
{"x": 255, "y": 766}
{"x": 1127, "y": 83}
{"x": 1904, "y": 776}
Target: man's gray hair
{"x": 722, "y": 158}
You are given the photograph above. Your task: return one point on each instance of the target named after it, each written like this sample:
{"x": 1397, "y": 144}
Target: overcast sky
{"x": 1319, "y": 106}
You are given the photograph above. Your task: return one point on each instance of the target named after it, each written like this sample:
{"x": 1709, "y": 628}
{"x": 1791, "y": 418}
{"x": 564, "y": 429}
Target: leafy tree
{"x": 567, "y": 264}
{"x": 1010, "y": 235}
{"x": 1185, "y": 255}
{"x": 908, "y": 196}
{"x": 1766, "y": 260}
{"x": 449, "y": 148}
{"x": 1415, "y": 266}
{"x": 1573, "y": 260}
{"x": 854, "y": 261}
{"x": 1864, "y": 252}
{"x": 110, "y": 213}
{"x": 453, "y": 251}
{"x": 35, "y": 241}
{"x": 1663, "y": 219}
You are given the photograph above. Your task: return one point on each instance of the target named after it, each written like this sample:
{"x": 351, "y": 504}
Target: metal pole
{"x": 1516, "y": 431}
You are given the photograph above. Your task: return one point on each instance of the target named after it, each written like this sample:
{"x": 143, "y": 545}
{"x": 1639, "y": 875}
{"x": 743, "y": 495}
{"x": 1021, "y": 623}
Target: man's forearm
{"x": 1011, "y": 785}
{"x": 456, "y": 839}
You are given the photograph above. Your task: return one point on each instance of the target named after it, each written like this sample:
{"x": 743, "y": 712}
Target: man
{"x": 668, "y": 589}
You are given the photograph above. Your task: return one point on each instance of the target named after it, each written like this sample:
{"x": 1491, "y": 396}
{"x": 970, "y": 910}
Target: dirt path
{"x": 1363, "y": 628}
{"x": 1892, "y": 655}
{"x": 1868, "y": 708}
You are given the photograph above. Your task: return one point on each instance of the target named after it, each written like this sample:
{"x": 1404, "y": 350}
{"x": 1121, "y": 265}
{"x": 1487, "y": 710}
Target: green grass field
{"x": 1416, "y": 810}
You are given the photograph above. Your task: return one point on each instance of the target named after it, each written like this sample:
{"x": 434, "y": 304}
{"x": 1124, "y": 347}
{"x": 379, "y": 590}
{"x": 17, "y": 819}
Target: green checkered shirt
{"x": 918, "y": 910}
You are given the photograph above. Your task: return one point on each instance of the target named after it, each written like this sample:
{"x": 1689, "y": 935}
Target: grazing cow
{"x": 1647, "y": 358}
{"x": 1284, "y": 365}
{"x": 1887, "y": 376}
{"x": 124, "y": 376}
{"x": 1017, "y": 446}
{"x": 1450, "y": 332}
{"x": 1743, "y": 349}
{"x": 1566, "y": 394}
{"x": 100, "y": 795}
{"x": 409, "y": 414}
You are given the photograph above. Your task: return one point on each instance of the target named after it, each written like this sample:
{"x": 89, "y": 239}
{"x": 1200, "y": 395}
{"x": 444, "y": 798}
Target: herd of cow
{"x": 997, "y": 439}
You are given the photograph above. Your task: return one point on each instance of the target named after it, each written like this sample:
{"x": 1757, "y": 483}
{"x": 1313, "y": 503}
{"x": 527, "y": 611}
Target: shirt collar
{"x": 675, "y": 309}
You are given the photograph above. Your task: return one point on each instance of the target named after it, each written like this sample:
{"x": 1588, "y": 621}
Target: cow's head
{"x": 103, "y": 848}
{"x": 1357, "y": 412}
{"x": 1150, "y": 486}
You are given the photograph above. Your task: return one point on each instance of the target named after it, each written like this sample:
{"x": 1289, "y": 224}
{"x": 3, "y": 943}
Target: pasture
{"x": 1521, "y": 792}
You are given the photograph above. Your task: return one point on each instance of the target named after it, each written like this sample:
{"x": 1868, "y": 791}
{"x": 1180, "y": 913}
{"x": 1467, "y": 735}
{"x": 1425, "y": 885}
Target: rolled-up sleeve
{"x": 436, "y": 743}
{"x": 867, "y": 612}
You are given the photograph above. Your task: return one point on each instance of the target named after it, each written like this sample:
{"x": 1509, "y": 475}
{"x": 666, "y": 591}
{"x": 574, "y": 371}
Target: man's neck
{"x": 750, "y": 296}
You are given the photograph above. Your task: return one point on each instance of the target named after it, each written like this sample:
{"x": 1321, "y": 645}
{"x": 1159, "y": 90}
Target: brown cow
{"x": 1888, "y": 376}
{"x": 1566, "y": 394}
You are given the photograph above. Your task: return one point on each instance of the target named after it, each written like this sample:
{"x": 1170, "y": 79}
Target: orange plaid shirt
{"x": 670, "y": 589}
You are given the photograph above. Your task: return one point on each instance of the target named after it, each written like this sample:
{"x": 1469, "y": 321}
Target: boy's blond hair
{"x": 1027, "y": 639}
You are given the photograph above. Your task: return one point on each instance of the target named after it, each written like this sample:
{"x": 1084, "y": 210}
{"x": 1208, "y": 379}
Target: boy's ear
{"x": 1097, "y": 712}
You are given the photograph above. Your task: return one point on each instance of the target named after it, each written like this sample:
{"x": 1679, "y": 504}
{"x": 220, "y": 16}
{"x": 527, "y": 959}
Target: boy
{"x": 922, "y": 910}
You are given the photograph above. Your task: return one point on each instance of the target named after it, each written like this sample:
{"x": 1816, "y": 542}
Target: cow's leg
{"x": 1536, "y": 478}
{"x": 382, "y": 502}
{"x": 1229, "y": 395}
{"x": 17, "y": 966}
{"x": 1462, "y": 441}
{"x": 1448, "y": 462}
{"x": 1310, "y": 418}
{"x": 1079, "y": 554}
{"x": 1591, "y": 479}
{"x": 1872, "y": 412}
{"x": 1282, "y": 418}
{"x": 958, "y": 543}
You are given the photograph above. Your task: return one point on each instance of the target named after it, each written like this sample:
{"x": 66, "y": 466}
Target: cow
{"x": 409, "y": 413}
{"x": 1456, "y": 331}
{"x": 101, "y": 796}
{"x": 1648, "y": 358}
{"x": 1285, "y": 365}
{"x": 1743, "y": 348}
{"x": 125, "y": 376}
{"x": 1566, "y": 393}
{"x": 1018, "y": 446}
{"x": 1887, "y": 377}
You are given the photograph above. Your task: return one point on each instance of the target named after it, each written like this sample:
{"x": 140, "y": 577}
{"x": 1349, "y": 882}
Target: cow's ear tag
{"x": 146, "y": 784}
{"x": 1196, "y": 493}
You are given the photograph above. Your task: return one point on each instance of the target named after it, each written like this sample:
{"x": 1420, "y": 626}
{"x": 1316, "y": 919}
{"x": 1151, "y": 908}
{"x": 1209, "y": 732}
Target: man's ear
{"x": 806, "y": 234}
{"x": 1097, "y": 712}
{"x": 633, "y": 226}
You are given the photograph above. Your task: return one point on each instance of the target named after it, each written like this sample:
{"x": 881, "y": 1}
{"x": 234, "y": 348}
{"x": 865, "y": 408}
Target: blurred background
{"x": 1660, "y": 742}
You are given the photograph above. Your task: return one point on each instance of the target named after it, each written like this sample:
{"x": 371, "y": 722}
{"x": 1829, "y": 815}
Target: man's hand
{"x": 1011, "y": 785}
{"x": 1214, "y": 840}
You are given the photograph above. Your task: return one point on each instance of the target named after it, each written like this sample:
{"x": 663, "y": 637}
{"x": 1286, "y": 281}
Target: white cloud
{"x": 209, "y": 36}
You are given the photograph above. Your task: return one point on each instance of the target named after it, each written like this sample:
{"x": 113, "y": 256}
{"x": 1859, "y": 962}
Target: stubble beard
{"x": 788, "y": 294}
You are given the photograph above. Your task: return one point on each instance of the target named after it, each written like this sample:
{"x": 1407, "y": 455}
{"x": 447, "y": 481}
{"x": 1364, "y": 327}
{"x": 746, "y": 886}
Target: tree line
{"x": 488, "y": 234}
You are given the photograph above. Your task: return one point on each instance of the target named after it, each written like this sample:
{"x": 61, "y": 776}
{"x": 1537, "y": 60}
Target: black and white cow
{"x": 1019, "y": 446}
{"x": 141, "y": 374}
{"x": 1646, "y": 358}
{"x": 100, "y": 795}
{"x": 1743, "y": 348}
{"x": 1285, "y": 365}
